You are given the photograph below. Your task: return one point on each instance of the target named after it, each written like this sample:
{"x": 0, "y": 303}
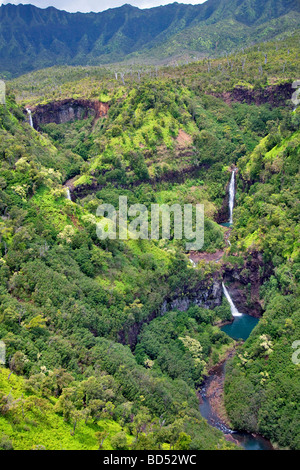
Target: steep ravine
{"x": 212, "y": 408}
{"x": 211, "y": 393}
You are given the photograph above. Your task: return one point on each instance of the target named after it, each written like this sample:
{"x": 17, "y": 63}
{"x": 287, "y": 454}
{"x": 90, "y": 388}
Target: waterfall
{"x": 234, "y": 310}
{"x": 68, "y": 193}
{"x": 30, "y": 117}
{"x": 231, "y": 195}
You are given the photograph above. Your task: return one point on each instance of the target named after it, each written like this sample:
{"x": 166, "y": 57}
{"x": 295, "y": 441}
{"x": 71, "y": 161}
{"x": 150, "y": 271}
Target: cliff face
{"x": 245, "y": 283}
{"x": 173, "y": 176}
{"x": 67, "y": 110}
{"x": 207, "y": 294}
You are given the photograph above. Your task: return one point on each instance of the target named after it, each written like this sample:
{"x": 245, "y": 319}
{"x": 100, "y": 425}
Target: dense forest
{"x": 107, "y": 341}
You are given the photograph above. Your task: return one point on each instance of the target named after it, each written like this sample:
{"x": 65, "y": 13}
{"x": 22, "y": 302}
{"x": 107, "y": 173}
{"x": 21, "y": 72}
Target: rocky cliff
{"x": 245, "y": 282}
{"x": 207, "y": 293}
{"x": 276, "y": 95}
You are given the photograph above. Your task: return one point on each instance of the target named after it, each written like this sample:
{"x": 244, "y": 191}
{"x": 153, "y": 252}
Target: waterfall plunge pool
{"x": 241, "y": 327}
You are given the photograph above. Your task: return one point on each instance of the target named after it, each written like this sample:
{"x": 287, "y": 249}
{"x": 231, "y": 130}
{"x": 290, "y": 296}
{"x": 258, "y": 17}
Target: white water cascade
{"x": 234, "y": 310}
{"x": 231, "y": 195}
{"x": 30, "y": 117}
{"x": 68, "y": 193}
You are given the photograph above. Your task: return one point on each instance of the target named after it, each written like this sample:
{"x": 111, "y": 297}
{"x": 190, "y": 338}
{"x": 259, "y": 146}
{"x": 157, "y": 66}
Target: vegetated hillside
{"x": 164, "y": 125}
{"x": 71, "y": 304}
{"x": 262, "y": 385}
{"x": 65, "y": 298}
{"x": 32, "y": 38}
{"x": 253, "y": 71}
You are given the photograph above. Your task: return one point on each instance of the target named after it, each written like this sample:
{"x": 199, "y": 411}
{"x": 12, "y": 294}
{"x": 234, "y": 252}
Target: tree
{"x": 183, "y": 442}
{"x": 18, "y": 362}
{"x": 69, "y": 402}
{"x": 141, "y": 421}
{"x": 76, "y": 416}
{"x": 101, "y": 436}
{"x": 145, "y": 442}
{"x": 119, "y": 441}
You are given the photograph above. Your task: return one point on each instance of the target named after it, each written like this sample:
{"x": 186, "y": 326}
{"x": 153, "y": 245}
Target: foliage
{"x": 88, "y": 352}
{"x": 130, "y": 33}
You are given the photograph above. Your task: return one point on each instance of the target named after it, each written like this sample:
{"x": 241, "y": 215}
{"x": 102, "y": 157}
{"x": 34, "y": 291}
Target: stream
{"x": 240, "y": 328}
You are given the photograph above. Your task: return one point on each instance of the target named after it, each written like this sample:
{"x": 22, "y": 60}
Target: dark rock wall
{"x": 207, "y": 294}
{"x": 244, "y": 283}
{"x": 67, "y": 110}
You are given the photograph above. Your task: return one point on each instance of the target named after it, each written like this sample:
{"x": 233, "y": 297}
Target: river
{"x": 240, "y": 328}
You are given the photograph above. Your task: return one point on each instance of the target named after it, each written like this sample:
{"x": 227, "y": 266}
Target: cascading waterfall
{"x": 68, "y": 193}
{"x": 234, "y": 310}
{"x": 30, "y": 117}
{"x": 231, "y": 195}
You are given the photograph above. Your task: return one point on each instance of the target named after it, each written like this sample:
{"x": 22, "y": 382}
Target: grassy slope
{"x": 33, "y": 422}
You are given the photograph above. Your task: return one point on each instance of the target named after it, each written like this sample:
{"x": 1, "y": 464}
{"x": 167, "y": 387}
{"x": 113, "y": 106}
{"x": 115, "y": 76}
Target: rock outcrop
{"x": 67, "y": 110}
{"x": 245, "y": 282}
{"x": 207, "y": 294}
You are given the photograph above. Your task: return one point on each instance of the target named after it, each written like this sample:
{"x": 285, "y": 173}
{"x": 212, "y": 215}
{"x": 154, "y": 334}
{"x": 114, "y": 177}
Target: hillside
{"x": 267, "y": 378}
{"x": 33, "y": 38}
{"x": 108, "y": 340}
{"x": 74, "y": 305}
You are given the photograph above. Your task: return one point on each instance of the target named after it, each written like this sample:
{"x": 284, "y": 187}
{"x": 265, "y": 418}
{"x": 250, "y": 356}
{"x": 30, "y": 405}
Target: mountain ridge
{"x": 32, "y": 38}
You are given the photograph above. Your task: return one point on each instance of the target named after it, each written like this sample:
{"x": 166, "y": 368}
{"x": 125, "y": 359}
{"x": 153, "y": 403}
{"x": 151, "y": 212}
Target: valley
{"x": 108, "y": 341}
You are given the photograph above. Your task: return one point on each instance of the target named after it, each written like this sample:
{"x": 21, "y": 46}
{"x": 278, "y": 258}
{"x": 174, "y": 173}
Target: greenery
{"x": 149, "y": 35}
{"x": 267, "y": 220}
{"x": 107, "y": 340}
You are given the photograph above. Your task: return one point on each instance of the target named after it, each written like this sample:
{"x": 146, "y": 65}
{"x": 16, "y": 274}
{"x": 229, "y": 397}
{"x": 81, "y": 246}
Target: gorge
{"x": 108, "y": 340}
{"x": 211, "y": 392}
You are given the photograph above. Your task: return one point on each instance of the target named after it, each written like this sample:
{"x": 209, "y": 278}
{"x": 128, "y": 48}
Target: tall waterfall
{"x": 234, "y": 310}
{"x": 231, "y": 195}
{"x": 68, "y": 193}
{"x": 30, "y": 117}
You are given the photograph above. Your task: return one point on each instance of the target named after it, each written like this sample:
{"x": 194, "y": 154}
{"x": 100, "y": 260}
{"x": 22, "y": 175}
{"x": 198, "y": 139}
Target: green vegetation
{"x": 188, "y": 337}
{"x": 93, "y": 357}
{"x": 268, "y": 221}
{"x": 65, "y": 298}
